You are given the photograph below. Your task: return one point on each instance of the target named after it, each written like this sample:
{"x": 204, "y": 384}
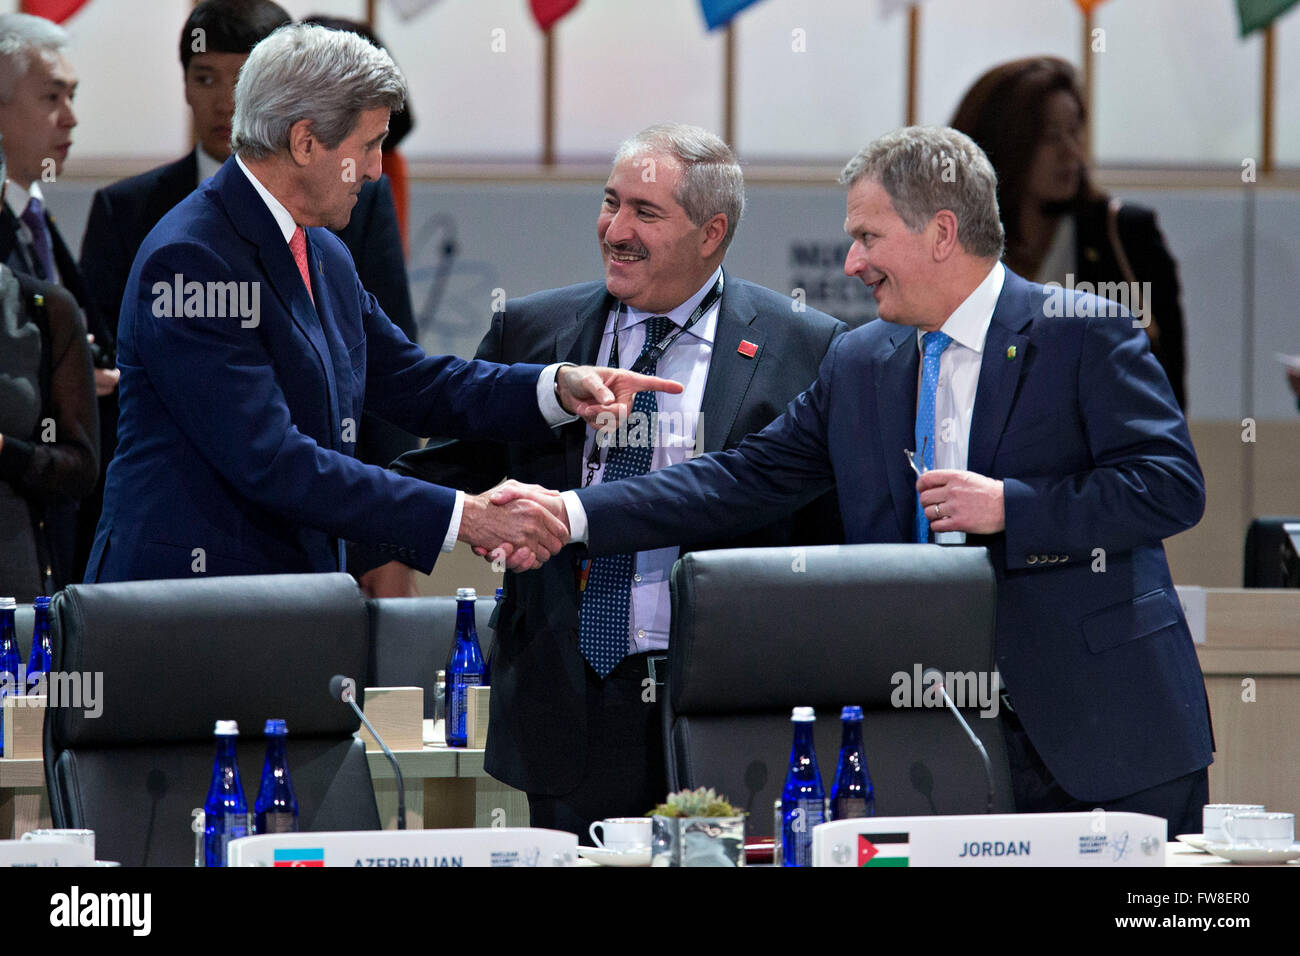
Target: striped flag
{"x": 56, "y": 10}
{"x": 299, "y": 856}
{"x": 718, "y": 13}
{"x": 883, "y": 849}
{"x": 1257, "y": 14}
{"x": 547, "y": 12}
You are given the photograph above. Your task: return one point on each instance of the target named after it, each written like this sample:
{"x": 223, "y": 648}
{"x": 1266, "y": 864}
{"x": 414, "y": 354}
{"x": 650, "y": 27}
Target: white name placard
{"x": 487, "y": 846}
{"x": 1096, "y": 838}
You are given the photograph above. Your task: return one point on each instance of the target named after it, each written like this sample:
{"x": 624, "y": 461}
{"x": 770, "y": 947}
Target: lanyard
{"x": 648, "y": 359}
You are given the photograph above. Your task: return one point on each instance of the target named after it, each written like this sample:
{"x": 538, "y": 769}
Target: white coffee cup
{"x": 1260, "y": 831}
{"x": 84, "y": 837}
{"x": 621, "y": 833}
{"x": 1213, "y": 814}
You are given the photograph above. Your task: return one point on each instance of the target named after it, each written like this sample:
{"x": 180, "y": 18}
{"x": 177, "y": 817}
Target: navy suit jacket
{"x": 1098, "y": 467}
{"x": 538, "y": 739}
{"x": 122, "y": 214}
{"x": 237, "y": 436}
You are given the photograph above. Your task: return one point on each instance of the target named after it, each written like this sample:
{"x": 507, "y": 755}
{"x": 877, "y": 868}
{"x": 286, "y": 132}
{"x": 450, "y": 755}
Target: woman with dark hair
{"x": 1028, "y": 116}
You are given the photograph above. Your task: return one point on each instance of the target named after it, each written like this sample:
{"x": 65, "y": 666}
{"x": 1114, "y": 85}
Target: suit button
{"x": 1031, "y": 559}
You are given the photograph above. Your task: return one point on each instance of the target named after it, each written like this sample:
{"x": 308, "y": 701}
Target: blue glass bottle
{"x": 10, "y": 659}
{"x": 465, "y": 668}
{"x": 38, "y": 664}
{"x": 276, "y": 809}
{"x": 225, "y": 812}
{"x": 852, "y": 794}
{"x": 803, "y": 800}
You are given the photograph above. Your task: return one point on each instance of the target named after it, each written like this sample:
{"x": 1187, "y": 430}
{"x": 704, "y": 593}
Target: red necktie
{"x": 298, "y": 246}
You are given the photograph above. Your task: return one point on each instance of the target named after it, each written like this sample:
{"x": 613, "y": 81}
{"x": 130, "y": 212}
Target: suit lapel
{"x": 1005, "y": 352}
{"x": 896, "y": 385}
{"x": 336, "y": 354}
{"x": 579, "y": 342}
{"x": 254, "y": 222}
{"x": 730, "y": 372}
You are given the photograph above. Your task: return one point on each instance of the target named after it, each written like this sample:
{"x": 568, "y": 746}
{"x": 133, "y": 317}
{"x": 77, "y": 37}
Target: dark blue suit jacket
{"x": 1081, "y": 425}
{"x": 122, "y": 214}
{"x": 238, "y": 439}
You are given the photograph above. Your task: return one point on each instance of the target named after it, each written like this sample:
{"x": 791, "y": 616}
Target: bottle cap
{"x": 802, "y": 714}
{"x": 7, "y": 604}
{"x": 227, "y": 728}
{"x": 276, "y": 727}
{"x": 851, "y": 712}
{"x": 41, "y": 601}
{"x": 466, "y": 594}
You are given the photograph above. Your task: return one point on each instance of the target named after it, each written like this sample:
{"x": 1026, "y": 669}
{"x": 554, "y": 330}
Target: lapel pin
{"x": 1011, "y": 351}
{"x": 747, "y": 348}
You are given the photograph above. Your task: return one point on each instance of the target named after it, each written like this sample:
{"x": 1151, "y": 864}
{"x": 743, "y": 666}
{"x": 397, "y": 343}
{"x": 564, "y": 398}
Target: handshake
{"x": 519, "y": 526}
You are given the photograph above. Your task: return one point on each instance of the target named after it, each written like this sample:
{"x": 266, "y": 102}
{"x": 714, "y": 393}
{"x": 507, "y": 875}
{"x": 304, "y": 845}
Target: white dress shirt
{"x": 686, "y": 361}
{"x": 550, "y": 406}
{"x": 959, "y": 375}
{"x": 207, "y": 165}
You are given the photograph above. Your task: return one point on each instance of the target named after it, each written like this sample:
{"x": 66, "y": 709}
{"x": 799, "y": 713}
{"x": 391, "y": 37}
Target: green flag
{"x": 1257, "y": 14}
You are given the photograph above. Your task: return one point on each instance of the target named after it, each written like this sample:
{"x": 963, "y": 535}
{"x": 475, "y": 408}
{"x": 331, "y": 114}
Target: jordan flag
{"x": 56, "y": 10}
{"x": 883, "y": 849}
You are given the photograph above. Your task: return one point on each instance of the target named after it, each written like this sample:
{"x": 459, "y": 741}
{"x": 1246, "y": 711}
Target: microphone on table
{"x": 933, "y": 675}
{"x": 345, "y": 689}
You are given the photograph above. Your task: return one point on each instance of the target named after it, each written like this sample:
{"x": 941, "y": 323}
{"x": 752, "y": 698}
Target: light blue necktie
{"x": 607, "y": 599}
{"x": 933, "y": 344}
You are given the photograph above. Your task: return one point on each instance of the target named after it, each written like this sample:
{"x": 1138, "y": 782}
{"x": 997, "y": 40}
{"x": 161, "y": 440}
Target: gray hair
{"x": 928, "y": 168}
{"x": 20, "y": 34}
{"x": 711, "y": 183}
{"x": 303, "y": 72}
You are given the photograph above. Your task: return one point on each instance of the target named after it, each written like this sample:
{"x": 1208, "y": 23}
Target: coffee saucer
{"x": 636, "y": 856}
{"x": 1196, "y": 841}
{"x": 1253, "y": 855}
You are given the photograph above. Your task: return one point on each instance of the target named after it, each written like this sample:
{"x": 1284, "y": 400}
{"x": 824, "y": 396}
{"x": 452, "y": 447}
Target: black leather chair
{"x": 758, "y": 631}
{"x": 172, "y": 657}
{"x": 411, "y": 639}
{"x": 1272, "y": 553}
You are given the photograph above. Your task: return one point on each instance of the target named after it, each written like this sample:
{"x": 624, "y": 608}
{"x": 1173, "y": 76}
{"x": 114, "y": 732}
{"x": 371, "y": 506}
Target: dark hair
{"x": 400, "y": 123}
{"x": 1003, "y": 113}
{"x": 230, "y": 26}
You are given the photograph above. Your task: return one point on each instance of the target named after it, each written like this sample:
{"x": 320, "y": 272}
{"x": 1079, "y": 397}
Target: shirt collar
{"x": 207, "y": 165}
{"x": 969, "y": 324}
{"x": 16, "y": 198}
{"x": 681, "y": 313}
{"x": 283, "y": 218}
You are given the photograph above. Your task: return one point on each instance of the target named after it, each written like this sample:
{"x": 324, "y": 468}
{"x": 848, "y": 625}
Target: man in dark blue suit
{"x": 249, "y": 348}
{"x": 214, "y": 43}
{"x": 1059, "y": 446}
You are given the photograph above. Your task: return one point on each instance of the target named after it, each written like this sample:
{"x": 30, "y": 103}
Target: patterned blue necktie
{"x": 607, "y": 600}
{"x": 34, "y": 218}
{"x": 933, "y": 344}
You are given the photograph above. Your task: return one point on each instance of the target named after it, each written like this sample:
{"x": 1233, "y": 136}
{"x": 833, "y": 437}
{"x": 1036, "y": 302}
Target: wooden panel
{"x": 1255, "y": 617}
{"x": 1258, "y": 749}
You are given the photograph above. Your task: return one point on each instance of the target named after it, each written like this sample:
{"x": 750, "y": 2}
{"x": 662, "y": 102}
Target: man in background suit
{"x": 574, "y": 727}
{"x": 1059, "y": 446}
{"x": 37, "y": 85}
{"x": 214, "y": 44}
{"x": 248, "y": 349}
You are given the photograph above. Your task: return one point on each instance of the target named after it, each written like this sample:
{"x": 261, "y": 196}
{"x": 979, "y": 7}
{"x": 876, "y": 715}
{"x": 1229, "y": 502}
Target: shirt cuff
{"x": 453, "y": 526}
{"x": 577, "y": 517}
{"x": 548, "y": 401}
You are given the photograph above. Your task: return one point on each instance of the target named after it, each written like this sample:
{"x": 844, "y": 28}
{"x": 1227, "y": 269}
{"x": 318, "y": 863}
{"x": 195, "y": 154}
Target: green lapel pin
{"x": 1011, "y": 351}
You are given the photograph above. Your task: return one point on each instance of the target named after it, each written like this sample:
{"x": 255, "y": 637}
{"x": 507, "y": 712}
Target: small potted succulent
{"x": 697, "y": 828}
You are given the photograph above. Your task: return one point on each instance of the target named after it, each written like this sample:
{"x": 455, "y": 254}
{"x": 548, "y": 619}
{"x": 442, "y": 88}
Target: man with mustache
{"x": 580, "y": 648}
